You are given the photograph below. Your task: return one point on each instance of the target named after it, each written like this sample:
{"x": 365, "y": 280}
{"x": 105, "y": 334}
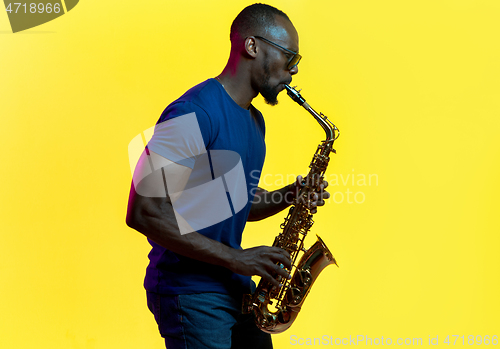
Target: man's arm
{"x": 151, "y": 212}
{"x": 266, "y": 204}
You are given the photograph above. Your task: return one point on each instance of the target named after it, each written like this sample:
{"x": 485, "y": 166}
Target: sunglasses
{"x": 292, "y": 61}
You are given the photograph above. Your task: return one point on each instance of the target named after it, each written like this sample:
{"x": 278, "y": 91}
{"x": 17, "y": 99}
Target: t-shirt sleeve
{"x": 182, "y": 133}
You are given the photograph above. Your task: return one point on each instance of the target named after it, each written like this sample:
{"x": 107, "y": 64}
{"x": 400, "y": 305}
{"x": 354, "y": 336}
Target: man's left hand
{"x": 318, "y": 197}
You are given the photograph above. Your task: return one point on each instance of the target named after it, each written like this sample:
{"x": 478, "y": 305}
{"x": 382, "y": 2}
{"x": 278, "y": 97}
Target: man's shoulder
{"x": 203, "y": 94}
{"x": 200, "y": 99}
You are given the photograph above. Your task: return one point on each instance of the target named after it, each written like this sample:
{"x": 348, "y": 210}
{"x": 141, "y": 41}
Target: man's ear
{"x": 251, "y": 47}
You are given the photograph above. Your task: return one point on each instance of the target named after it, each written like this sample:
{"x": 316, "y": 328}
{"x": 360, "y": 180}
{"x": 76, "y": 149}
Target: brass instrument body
{"x": 290, "y": 296}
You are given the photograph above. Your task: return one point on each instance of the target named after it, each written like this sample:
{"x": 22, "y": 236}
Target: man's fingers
{"x": 270, "y": 279}
{"x": 281, "y": 256}
{"x": 275, "y": 274}
{"x": 285, "y": 259}
{"x": 279, "y": 272}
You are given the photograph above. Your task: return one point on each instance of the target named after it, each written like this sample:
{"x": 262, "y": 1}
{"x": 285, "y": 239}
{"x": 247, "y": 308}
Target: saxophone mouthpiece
{"x": 294, "y": 94}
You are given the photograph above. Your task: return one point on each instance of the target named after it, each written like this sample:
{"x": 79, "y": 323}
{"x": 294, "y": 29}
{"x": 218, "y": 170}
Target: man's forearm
{"x": 156, "y": 220}
{"x": 153, "y": 215}
{"x": 266, "y": 204}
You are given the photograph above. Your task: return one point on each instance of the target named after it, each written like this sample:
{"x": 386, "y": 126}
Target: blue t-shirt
{"x": 224, "y": 146}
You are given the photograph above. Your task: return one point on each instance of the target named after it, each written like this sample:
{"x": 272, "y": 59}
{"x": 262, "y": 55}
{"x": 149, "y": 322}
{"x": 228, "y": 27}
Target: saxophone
{"x": 275, "y": 308}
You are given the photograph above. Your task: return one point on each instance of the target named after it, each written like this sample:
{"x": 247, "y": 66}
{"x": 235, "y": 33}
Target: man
{"x": 198, "y": 271}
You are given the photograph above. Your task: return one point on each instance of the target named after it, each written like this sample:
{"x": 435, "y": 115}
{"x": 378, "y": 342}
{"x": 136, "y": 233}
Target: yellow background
{"x": 412, "y": 85}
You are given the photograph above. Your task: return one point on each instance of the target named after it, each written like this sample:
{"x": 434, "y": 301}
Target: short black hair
{"x": 253, "y": 20}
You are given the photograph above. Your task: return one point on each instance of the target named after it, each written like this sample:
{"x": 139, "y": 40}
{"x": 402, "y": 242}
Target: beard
{"x": 267, "y": 91}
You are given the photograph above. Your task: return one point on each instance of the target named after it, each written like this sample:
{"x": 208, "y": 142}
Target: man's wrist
{"x": 230, "y": 262}
{"x": 290, "y": 193}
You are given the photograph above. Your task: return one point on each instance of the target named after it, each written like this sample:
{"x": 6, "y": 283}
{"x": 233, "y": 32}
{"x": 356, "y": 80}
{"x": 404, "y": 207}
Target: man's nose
{"x": 294, "y": 70}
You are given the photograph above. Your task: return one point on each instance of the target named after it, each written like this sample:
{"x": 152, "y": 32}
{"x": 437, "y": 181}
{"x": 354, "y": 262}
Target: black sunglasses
{"x": 293, "y": 61}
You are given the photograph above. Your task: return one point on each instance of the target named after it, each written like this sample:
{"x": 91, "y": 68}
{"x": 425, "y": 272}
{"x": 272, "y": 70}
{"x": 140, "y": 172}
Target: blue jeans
{"x": 205, "y": 321}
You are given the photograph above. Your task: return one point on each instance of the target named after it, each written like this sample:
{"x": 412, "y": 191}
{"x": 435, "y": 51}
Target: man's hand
{"x": 318, "y": 198}
{"x": 262, "y": 261}
{"x": 266, "y": 204}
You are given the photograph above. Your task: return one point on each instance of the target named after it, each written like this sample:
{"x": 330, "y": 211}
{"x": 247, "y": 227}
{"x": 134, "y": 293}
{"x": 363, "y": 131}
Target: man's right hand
{"x": 262, "y": 261}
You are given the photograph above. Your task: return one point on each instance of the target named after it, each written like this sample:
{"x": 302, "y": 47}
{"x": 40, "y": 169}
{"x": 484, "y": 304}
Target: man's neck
{"x": 238, "y": 86}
